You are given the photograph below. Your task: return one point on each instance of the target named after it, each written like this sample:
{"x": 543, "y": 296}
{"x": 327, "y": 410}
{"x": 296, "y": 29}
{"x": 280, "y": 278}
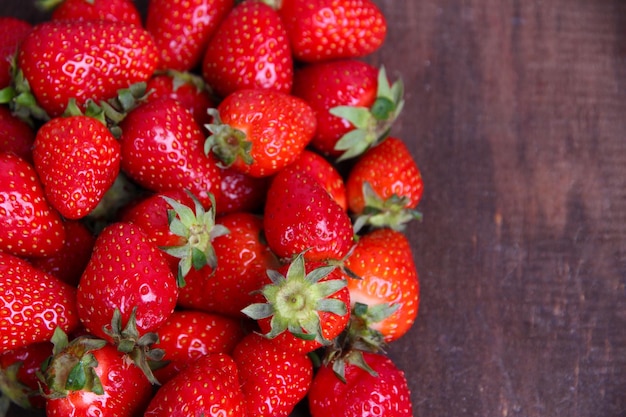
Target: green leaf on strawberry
{"x": 372, "y": 125}
{"x": 198, "y": 228}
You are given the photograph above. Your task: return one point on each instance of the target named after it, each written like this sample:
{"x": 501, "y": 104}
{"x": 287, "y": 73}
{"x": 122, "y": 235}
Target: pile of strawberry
{"x": 202, "y": 211}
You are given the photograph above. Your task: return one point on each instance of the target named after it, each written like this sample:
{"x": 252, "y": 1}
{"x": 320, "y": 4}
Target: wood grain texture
{"x": 516, "y": 114}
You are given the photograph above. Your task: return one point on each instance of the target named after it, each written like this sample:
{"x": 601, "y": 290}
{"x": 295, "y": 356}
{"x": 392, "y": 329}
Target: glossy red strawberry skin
{"x": 279, "y": 126}
{"x": 362, "y": 394}
{"x": 241, "y": 192}
{"x": 16, "y": 136}
{"x": 344, "y": 82}
{"x": 32, "y": 304}
{"x": 196, "y": 100}
{"x": 187, "y": 335}
{"x": 109, "y": 10}
{"x": 273, "y": 379}
{"x": 126, "y": 389}
{"x": 69, "y": 263}
{"x": 126, "y": 270}
{"x": 390, "y": 169}
{"x": 383, "y": 259}
{"x": 263, "y": 60}
{"x": 182, "y": 29}
{"x": 321, "y": 30}
{"x": 12, "y": 33}
{"x": 162, "y": 149}
{"x": 301, "y": 216}
{"x": 77, "y": 159}
{"x": 84, "y": 60}
{"x": 242, "y": 261}
{"x": 29, "y": 226}
{"x": 324, "y": 172}
{"x": 209, "y": 386}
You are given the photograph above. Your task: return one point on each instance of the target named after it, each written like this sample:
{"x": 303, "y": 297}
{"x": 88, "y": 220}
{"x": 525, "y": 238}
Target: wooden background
{"x": 516, "y": 114}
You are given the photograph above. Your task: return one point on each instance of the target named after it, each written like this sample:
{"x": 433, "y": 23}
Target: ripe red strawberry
{"x": 242, "y": 259}
{"x": 12, "y": 33}
{"x": 90, "y": 377}
{"x": 29, "y": 226}
{"x": 259, "y": 132}
{"x": 162, "y": 149}
{"x": 324, "y": 172}
{"x": 354, "y": 104}
{"x": 18, "y": 374}
{"x": 210, "y": 386}
{"x": 305, "y": 305}
{"x": 32, "y": 304}
{"x": 182, "y": 29}
{"x": 186, "y": 88}
{"x": 126, "y": 271}
{"x": 321, "y": 30}
{"x": 273, "y": 379}
{"x": 301, "y": 216}
{"x": 187, "y": 335}
{"x": 383, "y": 259}
{"x": 241, "y": 192}
{"x": 77, "y": 159}
{"x": 385, "y": 393}
{"x": 109, "y": 10}
{"x": 384, "y": 186}
{"x": 69, "y": 263}
{"x": 16, "y": 136}
{"x": 84, "y": 60}
{"x": 250, "y": 50}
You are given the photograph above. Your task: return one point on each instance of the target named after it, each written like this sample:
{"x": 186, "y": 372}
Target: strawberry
{"x": 322, "y": 30}
{"x": 32, "y": 304}
{"x": 354, "y": 104}
{"x": 324, "y": 172}
{"x": 18, "y": 374}
{"x": 250, "y": 50}
{"x": 301, "y": 216}
{"x": 29, "y": 226}
{"x": 126, "y": 272}
{"x": 241, "y": 192}
{"x": 387, "y": 293}
{"x": 242, "y": 259}
{"x": 384, "y": 186}
{"x": 259, "y": 132}
{"x": 209, "y": 386}
{"x": 12, "y": 33}
{"x": 186, "y": 88}
{"x": 84, "y": 60}
{"x": 87, "y": 376}
{"x": 182, "y": 29}
{"x": 305, "y": 305}
{"x": 162, "y": 149}
{"x": 273, "y": 379}
{"x": 187, "y": 335}
{"x": 69, "y": 263}
{"x": 16, "y": 136}
{"x": 109, "y": 10}
{"x": 77, "y": 159}
{"x": 384, "y": 392}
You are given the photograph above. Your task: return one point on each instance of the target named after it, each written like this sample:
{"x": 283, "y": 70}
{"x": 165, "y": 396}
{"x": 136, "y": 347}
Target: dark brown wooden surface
{"x": 516, "y": 114}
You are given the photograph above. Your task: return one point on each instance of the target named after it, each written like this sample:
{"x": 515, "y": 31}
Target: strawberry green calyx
{"x": 12, "y": 389}
{"x": 198, "y": 228}
{"x": 294, "y": 301}
{"x": 139, "y": 349}
{"x": 72, "y": 366}
{"x": 20, "y": 98}
{"x": 372, "y": 125}
{"x": 378, "y": 213}
{"x": 226, "y": 142}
